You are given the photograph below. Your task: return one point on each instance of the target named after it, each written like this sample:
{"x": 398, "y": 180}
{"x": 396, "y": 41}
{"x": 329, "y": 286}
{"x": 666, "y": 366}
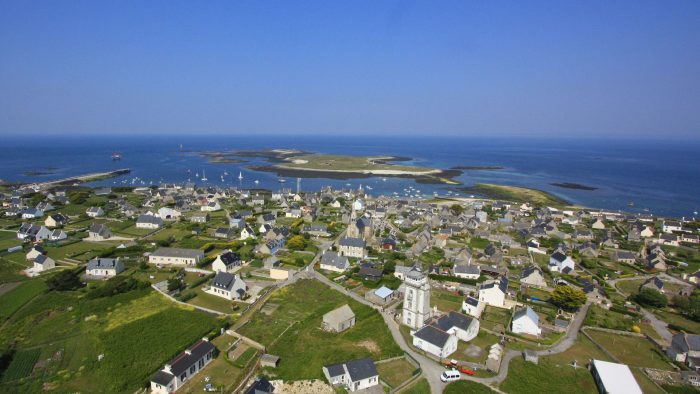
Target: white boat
{"x": 204, "y": 176}
{"x": 240, "y": 175}
{"x": 384, "y": 179}
{"x": 225, "y": 172}
{"x": 257, "y": 181}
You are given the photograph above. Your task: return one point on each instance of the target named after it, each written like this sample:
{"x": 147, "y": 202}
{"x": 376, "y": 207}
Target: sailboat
{"x": 204, "y": 176}
{"x": 257, "y": 181}
{"x": 240, "y": 175}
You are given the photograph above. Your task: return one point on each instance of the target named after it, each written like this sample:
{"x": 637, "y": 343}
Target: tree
{"x": 174, "y": 284}
{"x": 456, "y": 209}
{"x": 651, "y": 297}
{"x": 297, "y": 242}
{"x": 389, "y": 267}
{"x": 688, "y": 306}
{"x": 568, "y": 297}
{"x": 65, "y": 280}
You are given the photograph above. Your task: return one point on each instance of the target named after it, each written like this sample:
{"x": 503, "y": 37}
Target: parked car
{"x": 450, "y": 376}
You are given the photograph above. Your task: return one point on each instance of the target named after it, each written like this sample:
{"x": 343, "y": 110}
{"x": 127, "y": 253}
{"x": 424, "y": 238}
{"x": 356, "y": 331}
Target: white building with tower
{"x": 416, "y": 302}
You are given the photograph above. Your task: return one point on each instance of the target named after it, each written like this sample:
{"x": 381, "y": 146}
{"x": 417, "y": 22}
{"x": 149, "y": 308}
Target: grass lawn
{"x": 210, "y": 301}
{"x": 690, "y": 326}
{"x": 599, "y": 317}
{"x": 395, "y": 372}
{"x": 421, "y": 386}
{"x": 8, "y": 239}
{"x": 175, "y": 232}
{"x": 222, "y": 375}
{"x": 631, "y": 350}
{"x": 14, "y": 299}
{"x": 446, "y": 300}
{"x": 71, "y": 331}
{"x": 647, "y": 386}
{"x": 495, "y": 319}
{"x": 297, "y": 312}
{"x": 630, "y": 287}
{"x": 82, "y": 250}
{"x": 10, "y": 268}
{"x": 547, "y": 377}
{"x": 466, "y": 386}
{"x": 132, "y": 231}
{"x": 484, "y": 340}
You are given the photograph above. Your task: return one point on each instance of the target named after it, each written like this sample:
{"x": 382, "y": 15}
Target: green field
{"x": 631, "y": 350}
{"x": 421, "y": 386}
{"x": 547, "y": 377}
{"x": 465, "y": 386}
{"x": 8, "y": 239}
{"x": 14, "y": 299}
{"x": 82, "y": 250}
{"x": 688, "y": 325}
{"x": 291, "y": 320}
{"x": 446, "y": 300}
{"x": 395, "y": 372}
{"x": 21, "y": 365}
{"x": 136, "y": 332}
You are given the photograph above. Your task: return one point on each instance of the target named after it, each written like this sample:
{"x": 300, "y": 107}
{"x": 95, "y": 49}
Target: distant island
{"x": 515, "y": 194}
{"x": 576, "y": 186}
{"x": 345, "y": 167}
{"x": 297, "y": 163}
{"x": 477, "y": 168}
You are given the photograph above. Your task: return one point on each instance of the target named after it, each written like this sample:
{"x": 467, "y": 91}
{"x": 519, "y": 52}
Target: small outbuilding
{"x": 339, "y": 319}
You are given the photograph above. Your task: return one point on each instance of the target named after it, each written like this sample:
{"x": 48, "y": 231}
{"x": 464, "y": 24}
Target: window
{"x": 192, "y": 369}
{"x": 183, "y": 377}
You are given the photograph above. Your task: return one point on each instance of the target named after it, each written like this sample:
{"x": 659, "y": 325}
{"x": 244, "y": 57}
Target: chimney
{"x": 167, "y": 369}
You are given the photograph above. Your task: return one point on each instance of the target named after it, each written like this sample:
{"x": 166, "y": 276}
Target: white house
{"x": 493, "y": 292}
{"x": 353, "y": 375}
{"x": 35, "y": 252}
{"x": 533, "y": 276}
{"x": 104, "y": 268}
{"x": 149, "y": 222}
{"x": 435, "y": 341}
{"x": 211, "y": 207}
{"x": 94, "y": 212}
{"x": 228, "y": 286}
{"x": 55, "y": 220}
{"x": 332, "y": 261}
{"x": 352, "y": 247}
{"x": 246, "y": 233}
{"x": 58, "y": 235}
{"x": 182, "y": 368}
{"x": 526, "y": 321}
{"x": 670, "y": 226}
{"x": 464, "y": 327}
{"x": 43, "y": 263}
{"x": 228, "y": 261}
{"x": 169, "y": 214}
{"x": 559, "y": 262}
{"x": 32, "y": 213}
{"x": 33, "y": 232}
{"x": 466, "y": 271}
{"x": 176, "y": 256}
{"x": 472, "y": 307}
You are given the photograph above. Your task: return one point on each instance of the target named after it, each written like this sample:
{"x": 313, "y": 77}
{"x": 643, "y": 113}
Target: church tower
{"x": 416, "y": 301}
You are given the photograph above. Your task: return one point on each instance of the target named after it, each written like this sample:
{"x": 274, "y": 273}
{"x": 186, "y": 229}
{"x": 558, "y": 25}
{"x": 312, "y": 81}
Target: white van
{"x": 449, "y": 376}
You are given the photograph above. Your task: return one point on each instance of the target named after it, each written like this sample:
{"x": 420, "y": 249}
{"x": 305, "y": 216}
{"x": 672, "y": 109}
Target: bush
{"x": 117, "y": 285}
{"x": 65, "y": 280}
{"x": 568, "y": 297}
{"x": 651, "y": 297}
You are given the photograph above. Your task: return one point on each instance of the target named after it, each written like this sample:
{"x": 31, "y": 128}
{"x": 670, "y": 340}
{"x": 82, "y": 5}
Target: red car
{"x": 466, "y": 371}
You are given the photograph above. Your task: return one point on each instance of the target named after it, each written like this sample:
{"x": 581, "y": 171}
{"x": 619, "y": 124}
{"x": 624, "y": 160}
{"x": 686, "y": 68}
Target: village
{"x": 185, "y": 288}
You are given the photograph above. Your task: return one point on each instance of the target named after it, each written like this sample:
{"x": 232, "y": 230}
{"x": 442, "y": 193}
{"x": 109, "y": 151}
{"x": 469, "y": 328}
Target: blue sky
{"x": 587, "y": 68}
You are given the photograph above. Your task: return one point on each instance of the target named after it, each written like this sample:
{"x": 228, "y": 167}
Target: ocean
{"x": 657, "y": 177}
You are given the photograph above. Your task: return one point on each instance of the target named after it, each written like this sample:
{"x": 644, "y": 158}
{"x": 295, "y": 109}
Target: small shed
{"x": 531, "y": 356}
{"x": 269, "y": 360}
